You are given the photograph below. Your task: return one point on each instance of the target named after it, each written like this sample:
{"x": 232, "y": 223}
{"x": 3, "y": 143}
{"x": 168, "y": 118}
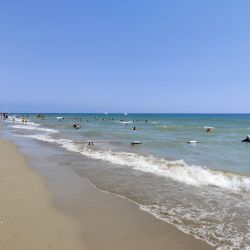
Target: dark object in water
{"x": 40, "y": 116}
{"x": 191, "y": 142}
{"x": 136, "y": 142}
{"x": 209, "y": 130}
{"x": 76, "y": 126}
{"x": 91, "y": 143}
{"x": 247, "y": 139}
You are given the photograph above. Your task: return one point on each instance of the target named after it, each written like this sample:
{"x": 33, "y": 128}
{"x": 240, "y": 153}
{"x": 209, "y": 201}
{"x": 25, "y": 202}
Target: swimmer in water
{"x": 209, "y": 130}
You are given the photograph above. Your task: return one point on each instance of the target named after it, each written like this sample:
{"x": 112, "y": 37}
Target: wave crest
{"x": 49, "y": 130}
{"x": 176, "y": 170}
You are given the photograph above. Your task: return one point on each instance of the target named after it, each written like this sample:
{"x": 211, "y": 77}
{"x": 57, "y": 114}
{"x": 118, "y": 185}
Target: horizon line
{"x": 191, "y": 113}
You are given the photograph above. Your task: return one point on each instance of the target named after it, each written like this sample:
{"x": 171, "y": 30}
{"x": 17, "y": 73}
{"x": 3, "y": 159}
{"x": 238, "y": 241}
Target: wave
{"x": 176, "y": 170}
{"x": 35, "y": 128}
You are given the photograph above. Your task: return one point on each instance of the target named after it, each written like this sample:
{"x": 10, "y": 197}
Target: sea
{"x": 202, "y": 187}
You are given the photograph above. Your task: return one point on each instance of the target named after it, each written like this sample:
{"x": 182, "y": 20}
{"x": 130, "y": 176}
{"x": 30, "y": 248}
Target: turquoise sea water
{"x": 202, "y": 188}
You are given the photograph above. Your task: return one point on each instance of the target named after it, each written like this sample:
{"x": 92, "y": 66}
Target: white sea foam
{"x": 38, "y": 128}
{"x": 163, "y": 127}
{"x": 41, "y": 137}
{"x": 218, "y": 226}
{"x": 220, "y": 236}
{"x": 176, "y": 170}
{"x": 125, "y": 122}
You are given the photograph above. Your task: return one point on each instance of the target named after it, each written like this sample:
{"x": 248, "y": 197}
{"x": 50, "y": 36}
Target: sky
{"x": 125, "y": 56}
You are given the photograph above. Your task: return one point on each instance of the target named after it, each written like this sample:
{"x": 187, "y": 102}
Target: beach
{"x": 125, "y": 125}
{"x": 162, "y": 193}
{"x": 72, "y": 214}
{"x": 28, "y": 218}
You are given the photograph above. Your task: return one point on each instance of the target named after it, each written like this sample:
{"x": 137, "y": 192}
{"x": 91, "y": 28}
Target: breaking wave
{"x": 29, "y": 127}
{"x": 176, "y": 170}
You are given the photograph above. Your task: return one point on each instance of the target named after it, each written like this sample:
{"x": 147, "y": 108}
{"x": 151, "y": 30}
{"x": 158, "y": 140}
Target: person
{"x": 209, "y": 130}
{"x": 247, "y": 139}
{"x": 13, "y": 119}
{"x": 76, "y": 126}
{"x": 134, "y": 128}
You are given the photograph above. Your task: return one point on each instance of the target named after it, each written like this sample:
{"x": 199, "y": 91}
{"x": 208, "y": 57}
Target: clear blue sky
{"x": 117, "y": 56}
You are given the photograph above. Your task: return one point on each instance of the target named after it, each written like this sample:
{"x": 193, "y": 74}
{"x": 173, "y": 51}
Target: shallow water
{"x": 202, "y": 188}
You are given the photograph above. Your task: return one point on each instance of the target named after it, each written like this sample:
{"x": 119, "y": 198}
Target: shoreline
{"x": 96, "y": 211}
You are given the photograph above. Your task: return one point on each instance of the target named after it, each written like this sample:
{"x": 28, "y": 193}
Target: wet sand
{"x": 77, "y": 217}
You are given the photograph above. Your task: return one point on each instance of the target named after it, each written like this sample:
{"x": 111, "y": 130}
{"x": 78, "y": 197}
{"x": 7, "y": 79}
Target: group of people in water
{"x": 3, "y": 116}
{"x": 24, "y": 120}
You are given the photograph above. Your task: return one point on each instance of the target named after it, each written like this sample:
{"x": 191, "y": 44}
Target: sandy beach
{"x": 73, "y": 214}
{"x": 124, "y": 125}
{"x": 27, "y": 218}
